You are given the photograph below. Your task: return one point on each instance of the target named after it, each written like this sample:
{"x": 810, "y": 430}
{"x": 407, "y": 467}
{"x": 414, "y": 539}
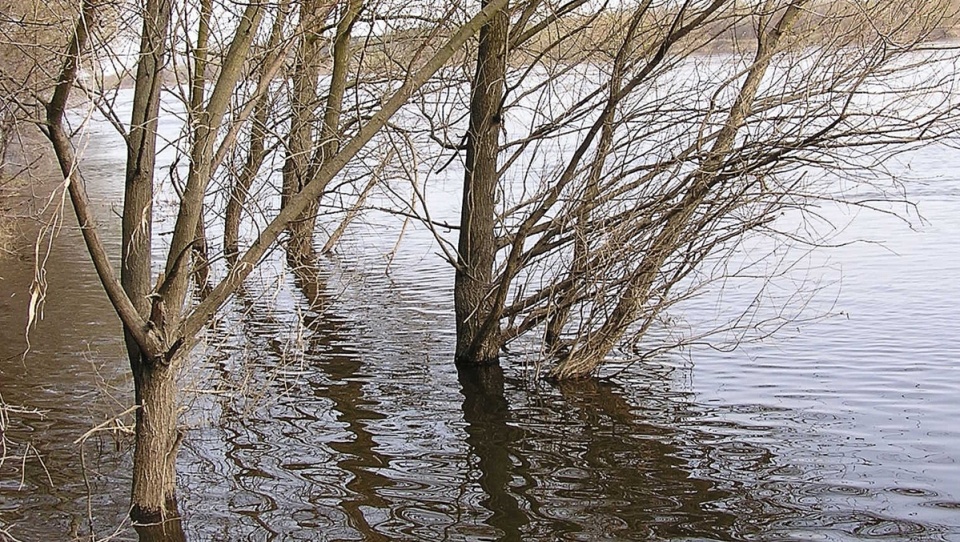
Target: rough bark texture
{"x": 302, "y": 165}
{"x": 157, "y": 440}
{"x": 137, "y": 230}
{"x": 296, "y": 167}
{"x": 152, "y": 497}
{"x": 201, "y": 257}
{"x": 478, "y": 337}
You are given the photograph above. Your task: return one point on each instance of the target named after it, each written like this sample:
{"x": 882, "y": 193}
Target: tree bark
{"x": 477, "y": 341}
{"x": 304, "y": 104}
{"x": 205, "y": 131}
{"x": 241, "y": 187}
{"x": 137, "y": 221}
{"x": 153, "y": 498}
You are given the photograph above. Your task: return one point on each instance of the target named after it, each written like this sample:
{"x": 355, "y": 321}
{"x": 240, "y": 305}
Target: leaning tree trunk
{"x": 478, "y": 338}
{"x": 586, "y": 356}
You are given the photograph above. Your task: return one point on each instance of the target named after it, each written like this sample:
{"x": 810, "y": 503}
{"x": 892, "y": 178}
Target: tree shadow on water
{"x": 584, "y": 461}
{"x": 493, "y": 442}
{"x": 327, "y": 348}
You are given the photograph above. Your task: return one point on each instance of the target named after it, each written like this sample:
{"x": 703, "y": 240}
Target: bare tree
{"x": 612, "y": 152}
{"x": 162, "y": 322}
{"x": 640, "y": 142}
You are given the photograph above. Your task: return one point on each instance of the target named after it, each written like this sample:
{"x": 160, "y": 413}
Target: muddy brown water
{"x": 338, "y": 415}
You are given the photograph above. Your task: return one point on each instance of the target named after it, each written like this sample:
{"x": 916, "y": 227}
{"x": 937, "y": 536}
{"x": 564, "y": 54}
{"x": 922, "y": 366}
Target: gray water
{"x": 331, "y": 410}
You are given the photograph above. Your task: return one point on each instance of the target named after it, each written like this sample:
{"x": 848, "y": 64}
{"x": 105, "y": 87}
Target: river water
{"x": 331, "y": 410}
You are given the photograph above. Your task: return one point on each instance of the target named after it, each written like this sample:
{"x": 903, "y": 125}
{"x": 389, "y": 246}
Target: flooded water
{"x": 331, "y": 409}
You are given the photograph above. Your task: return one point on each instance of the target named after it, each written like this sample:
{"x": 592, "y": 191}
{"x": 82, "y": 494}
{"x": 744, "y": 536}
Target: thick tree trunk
{"x": 153, "y": 497}
{"x": 478, "y": 338}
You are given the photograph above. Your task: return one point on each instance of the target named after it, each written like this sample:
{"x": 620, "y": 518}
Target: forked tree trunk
{"x": 302, "y": 165}
{"x": 152, "y": 496}
{"x": 256, "y": 153}
{"x": 478, "y": 338}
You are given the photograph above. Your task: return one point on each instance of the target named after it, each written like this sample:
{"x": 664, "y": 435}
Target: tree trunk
{"x": 302, "y": 166}
{"x": 153, "y": 497}
{"x": 137, "y": 223}
{"x": 296, "y": 167}
{"x": 256, "y": 154}
{"x": 478, "y": 340}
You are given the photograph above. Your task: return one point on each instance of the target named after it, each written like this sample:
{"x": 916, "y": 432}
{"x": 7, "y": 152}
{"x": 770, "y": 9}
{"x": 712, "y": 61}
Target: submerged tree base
{"x": 147, "y": 517}
{"x": 151, "y": 526}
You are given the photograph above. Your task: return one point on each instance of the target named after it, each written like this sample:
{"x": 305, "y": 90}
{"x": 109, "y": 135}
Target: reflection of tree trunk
{"x": 361, "y": 460}
{"x": 622, "y": 447}
{"x": 492, "y": 438}
{"x": 478, "y": 330}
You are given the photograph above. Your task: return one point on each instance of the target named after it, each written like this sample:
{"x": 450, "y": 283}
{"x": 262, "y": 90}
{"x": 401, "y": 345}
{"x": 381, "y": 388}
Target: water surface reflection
{"x": 326, "y": 407}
